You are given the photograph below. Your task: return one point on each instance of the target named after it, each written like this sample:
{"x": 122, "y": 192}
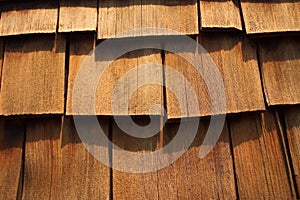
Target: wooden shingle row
{"x": 110, "y": 18}
{"x": 249, "y": 161}
{"x": 39, "y": 71}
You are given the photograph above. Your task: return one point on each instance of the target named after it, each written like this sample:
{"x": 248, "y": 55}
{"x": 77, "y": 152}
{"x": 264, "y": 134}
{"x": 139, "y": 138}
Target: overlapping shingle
{"x": 33, "y": 75}
{"x": 117, "y": 17}
{"x": 235, "y": 58}
{"x": 77, "y": 15}
{"x": 261, "y": 166}
{"x": 29, "y": 17}
{"x": 220, "y": 14}
{"x": 280, "y": 61}
{"x": 271, "y": 16}
{"x": 122, "y": 81}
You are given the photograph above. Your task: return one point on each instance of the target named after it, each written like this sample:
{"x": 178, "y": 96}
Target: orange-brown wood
{"x": 260, "y": 161}
{"x": 11, "y": 149}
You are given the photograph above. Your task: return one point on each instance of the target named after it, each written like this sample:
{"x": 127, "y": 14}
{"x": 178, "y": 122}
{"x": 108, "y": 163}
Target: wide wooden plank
{"x": 127, "y": 185}
{"x": 280, "y": 60}
{"x": 292, "y": 121}
{"x": 77, "y": 15}
{"x": 33, "y": 75}
{"x": 271, "y": 16}
{"x": 125, "y": 79}
{"x": 43, "y": 169}
{"x": 193, "y": 178}
{"x": 260, "y": 161}
{"x": 29, "y": 17}
{"x": 220, "y": 14}
{"x": 83, "y": 176}
{"x": 117, "y": 16}
{"x": 11, "y": 148}
{"x": 235, "y": 57}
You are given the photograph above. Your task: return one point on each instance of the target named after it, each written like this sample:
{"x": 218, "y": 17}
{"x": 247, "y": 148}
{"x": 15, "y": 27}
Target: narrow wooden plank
{"x": 11, "y": 148}
{"x": 133, "y": 185}
{"x": 280, "y": 60}
{"x": 235, "y": 57}
{"x": 77, "y": 15}
{"x": 83, "y": 176}
{"x": 117, "y": 16}
{"x": 33, "y": 75}
{"x": 193, "y": 178}
{"x": 1, "y": 67}
{"x": 43, "y": 170}
{"x": 29, "y": 17}
{"x": 80, "y": 47}
{"x": 220, "y": 14}
{"x": 260, "y": 162}
{"x": 271, "y": 16}
{"x": 125, "y": 79}
{"x": 292, "y": 121}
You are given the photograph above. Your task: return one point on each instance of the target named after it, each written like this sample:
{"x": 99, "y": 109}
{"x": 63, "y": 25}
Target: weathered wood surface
{"x": 83, "y": 176}
{"x": 43, "y": 161}
{"x": 235, "y": 58}
{"x": 220, "y": 14}
{"x": 117, "y": 16}
{"x": 271, "y": 16}
{"x": 292, "y": 121}
{"x": 280, "y": 61}
{"x": 260, "y": 161}
{"x": 31, "y": 17}
{"x": 77, "y": 15}
{"x": 11, "y": 150}
{"x": 126, "y": 185}
{"x": 193, "y": 178}
{"x": 125, "y": 80}
{"x": 33, "y": 75}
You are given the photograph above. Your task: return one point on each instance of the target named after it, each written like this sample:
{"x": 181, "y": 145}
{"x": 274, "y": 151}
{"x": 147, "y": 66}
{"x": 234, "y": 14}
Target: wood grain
{"x": 220, "y": 14}
{"x": 260, "y": 161}
{"x": 29, "y": 17}
{"x": 83, "y": 176}
{"x": 271, "y": 16}
{"x": 80, "y": 47}
{"x": 280, "y": 60}
{"x": 193, "y": 178}
{"x": 130, "y": 65}
{"x": 33, "y": 75}
{"x": 117, "y": 16}
{"x": 133, "y": 185}
{"x": 292, "y": 121}
{"x": 11, "y": 149}
{"x": 77, "y": 15}
{"x": 235, "y": 57}
{"x": 43, "y": 164}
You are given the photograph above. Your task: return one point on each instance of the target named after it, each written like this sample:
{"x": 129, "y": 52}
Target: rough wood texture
{"x": 11, "y": 148}
{"x": 126, "y": 73}
{"x": 33, "y": 75}
{"x": 235, "y": 57}
{"x": 83, "y": 176}
{"x": 260, "y": 162}
{"x": 220, "y": 14}
{"x": 1, "y": 67}
{"x": 280, "y": 61}
{"x": 193, "y": 178}
{"x": 43, "y": 171}
{"x": 133, "y": 185}
{"x": 118, "y": 16}
{"x": 271, "y": 16}
{"x": 32, "y": 17}
{"x": 292, "y": 121}
{"x": 80, "y": 47}
{"x": 77, "y": 15}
